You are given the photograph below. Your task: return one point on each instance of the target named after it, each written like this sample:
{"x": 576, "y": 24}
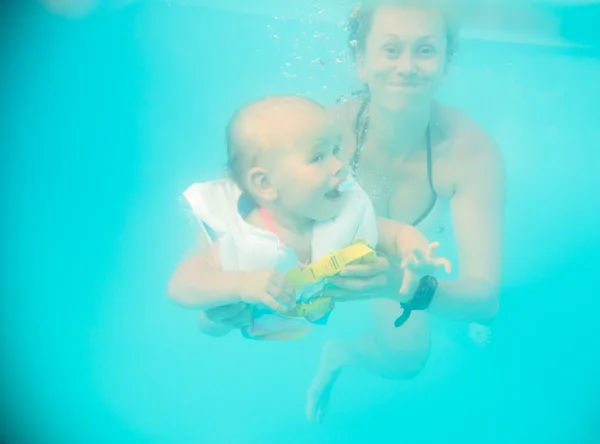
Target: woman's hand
{"x": 380, "y": 280}
{"x": 421, "y": 263}
{"x": 365, "y": 281}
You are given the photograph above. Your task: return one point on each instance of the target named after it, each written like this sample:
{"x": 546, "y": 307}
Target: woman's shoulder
{"x": 456, "y": 122}
{"x": 473, "y": 148}
{"x": 464, "y": 133}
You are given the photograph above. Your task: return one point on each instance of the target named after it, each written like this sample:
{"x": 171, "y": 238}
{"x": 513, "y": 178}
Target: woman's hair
{"x": 360, "y": 18}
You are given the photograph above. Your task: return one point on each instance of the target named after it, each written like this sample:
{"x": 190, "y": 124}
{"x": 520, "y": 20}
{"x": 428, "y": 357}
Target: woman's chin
{"x": 403, "y": 101}
{"x": 406, "y": 102}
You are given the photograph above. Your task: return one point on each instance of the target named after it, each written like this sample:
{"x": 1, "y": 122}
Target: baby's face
{"x": 308, "y": 172}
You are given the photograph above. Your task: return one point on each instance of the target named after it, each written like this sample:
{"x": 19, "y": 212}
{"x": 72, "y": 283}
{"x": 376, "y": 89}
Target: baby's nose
{"x": 339, "y": 168}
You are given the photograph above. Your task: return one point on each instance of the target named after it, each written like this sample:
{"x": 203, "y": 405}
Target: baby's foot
{"x": 481, "y": 335}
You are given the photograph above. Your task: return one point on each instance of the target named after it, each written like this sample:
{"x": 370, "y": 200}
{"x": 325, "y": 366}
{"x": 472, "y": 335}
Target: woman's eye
{"x": 391, "y": 49}
{"x": 427, "y": 50}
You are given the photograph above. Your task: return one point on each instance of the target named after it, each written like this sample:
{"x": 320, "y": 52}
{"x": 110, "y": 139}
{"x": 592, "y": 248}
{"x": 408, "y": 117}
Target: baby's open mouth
{"x": 338, "y": 191}
{"x": 333, "y": 194}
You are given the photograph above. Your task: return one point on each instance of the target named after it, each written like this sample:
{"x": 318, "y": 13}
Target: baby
{"x": 288, "y": 204}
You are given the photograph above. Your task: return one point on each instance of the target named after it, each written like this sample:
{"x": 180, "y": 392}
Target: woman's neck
{"x": 399, "y": 132}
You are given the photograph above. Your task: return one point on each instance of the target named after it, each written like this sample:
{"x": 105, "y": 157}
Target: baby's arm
{"x": 200, "y": 282}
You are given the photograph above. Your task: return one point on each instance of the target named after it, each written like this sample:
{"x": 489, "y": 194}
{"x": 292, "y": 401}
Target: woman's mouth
{"x": 408, "y": 84}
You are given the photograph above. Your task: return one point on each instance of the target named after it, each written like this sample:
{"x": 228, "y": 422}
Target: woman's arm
{"x": 384, "y": 277}
{"x": 477, "y": 213}
{"x": 398, "y": 238}
{"x": 199, "y": 281}
{"x": 478, "y": 220}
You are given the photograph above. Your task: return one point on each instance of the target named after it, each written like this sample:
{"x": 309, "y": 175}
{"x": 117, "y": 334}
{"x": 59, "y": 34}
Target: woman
{"x": 422, "y": 163}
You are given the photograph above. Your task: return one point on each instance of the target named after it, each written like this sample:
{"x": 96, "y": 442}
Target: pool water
{"x": 107, "y": 119}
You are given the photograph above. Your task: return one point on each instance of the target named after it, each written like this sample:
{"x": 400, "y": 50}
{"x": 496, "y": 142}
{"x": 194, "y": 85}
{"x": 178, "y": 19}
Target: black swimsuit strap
{"x": 430, "y": 180}
{"x": 361, "y": 127}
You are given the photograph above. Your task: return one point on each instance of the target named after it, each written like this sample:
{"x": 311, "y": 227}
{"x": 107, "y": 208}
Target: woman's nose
{"x": 406, "y": 63}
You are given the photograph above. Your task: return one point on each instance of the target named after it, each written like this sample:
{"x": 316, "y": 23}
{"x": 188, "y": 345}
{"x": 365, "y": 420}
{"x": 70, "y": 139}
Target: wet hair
{"x": 237, "y": 163}
{"x": 360, "y": 21}
{"x": 243, "y": 148}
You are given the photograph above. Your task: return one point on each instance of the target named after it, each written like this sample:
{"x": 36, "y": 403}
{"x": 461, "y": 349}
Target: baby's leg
{"x": 211, "y": 328}
{"x": 221, "y": 320}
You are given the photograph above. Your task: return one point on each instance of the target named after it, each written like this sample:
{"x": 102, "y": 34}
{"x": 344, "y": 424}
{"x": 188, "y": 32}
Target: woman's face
{"x": 404, "y": 56}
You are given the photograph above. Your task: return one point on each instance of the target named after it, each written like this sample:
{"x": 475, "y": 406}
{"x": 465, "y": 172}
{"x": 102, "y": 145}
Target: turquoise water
{"x": 107, "y": 119}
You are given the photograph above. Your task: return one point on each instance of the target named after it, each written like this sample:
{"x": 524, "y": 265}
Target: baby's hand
{"x": 421, "y": 263}
{"x": 268, "y": 287}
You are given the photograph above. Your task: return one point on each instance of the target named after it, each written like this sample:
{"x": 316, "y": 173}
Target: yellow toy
{"x": 330, "y": 265}
{"x": 316, "y": 308}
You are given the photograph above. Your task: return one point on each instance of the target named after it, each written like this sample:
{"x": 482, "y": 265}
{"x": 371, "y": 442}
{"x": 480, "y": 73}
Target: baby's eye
{"x": 317, "y": 158}
{"x": 336, "y": 150}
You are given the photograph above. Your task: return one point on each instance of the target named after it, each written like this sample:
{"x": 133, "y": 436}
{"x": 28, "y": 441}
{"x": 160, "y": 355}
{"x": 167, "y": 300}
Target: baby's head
{"x": 283, "y": 151}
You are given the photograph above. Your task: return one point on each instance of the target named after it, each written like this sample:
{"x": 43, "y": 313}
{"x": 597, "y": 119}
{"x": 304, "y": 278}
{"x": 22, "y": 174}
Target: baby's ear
{"x": 260, "y": 186}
